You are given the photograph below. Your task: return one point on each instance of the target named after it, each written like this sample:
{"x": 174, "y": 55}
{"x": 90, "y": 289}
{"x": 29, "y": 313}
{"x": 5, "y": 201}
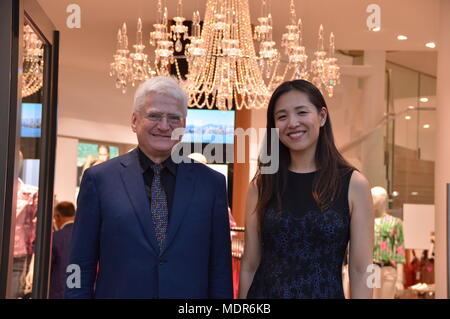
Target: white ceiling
{"x": 418, "y": 19}
{"x": 85, "y": 53}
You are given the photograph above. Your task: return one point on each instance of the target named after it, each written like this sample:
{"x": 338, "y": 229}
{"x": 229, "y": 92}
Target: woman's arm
{"x": 252, "y": 250}
{"x": 361, "y": 236}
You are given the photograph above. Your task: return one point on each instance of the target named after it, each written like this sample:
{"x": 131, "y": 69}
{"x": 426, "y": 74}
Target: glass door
{"x": 27, "y": 212}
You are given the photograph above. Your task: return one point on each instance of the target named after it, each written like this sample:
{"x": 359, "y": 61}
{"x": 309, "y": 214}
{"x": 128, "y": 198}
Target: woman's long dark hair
{"x": 329, "y": 162}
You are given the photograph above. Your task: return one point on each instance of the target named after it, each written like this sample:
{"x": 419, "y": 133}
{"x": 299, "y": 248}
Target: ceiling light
{"x": 407, "y": 117}
{"x": 430, "y": 45}
{"x": 426, "y": 126}
{"x": 411, "y": 107}
{"x": 424, "y": 99}
{"x": 414, "y": 193}
{"x": 402, "y": 37}
{"x": 395, "y": 193}
{"x": 376, "y": 29}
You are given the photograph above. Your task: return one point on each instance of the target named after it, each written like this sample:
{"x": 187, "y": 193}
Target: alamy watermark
{"x": 74, "y": 276}
{"x": 74, "y": 19}
{"x": 374, "y": 278}
{"x": 374, "y": 19}
{"x": 268, "y": 157}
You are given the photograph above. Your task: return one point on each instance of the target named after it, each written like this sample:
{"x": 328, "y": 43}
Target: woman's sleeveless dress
{"x": 302, "y": 248}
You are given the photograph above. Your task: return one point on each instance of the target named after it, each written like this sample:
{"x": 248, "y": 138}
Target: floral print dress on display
{"x": 389, "y": 241}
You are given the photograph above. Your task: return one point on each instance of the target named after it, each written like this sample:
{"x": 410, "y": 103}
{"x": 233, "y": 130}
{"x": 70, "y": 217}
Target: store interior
{"x": 384, "y": 107}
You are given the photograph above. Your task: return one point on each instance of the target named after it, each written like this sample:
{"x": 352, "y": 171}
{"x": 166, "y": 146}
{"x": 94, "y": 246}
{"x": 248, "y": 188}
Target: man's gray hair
{"x": 160, "y": 85}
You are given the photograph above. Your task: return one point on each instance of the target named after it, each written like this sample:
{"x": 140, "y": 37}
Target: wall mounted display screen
{"x": 209, "y": 126}
{"x": 31, "y": 120}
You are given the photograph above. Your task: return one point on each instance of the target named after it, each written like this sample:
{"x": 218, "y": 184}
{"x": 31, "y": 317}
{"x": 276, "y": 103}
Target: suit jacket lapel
{"x": 134, "y": 184}
{"x": 184, "y": 188}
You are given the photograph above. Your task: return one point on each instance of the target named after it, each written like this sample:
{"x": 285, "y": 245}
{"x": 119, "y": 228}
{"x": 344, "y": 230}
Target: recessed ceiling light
{"x": 424, "y": 99}
{"x": 402, "y": 37}
{"x": 426, "y": 126}
{"x": 376, "y": 29}
{"x": 430, "y": 45}
{"x": 411, "y": 107}
{"x": 414, "y": 193}
{"x": 407, "y": 117}
{"x": 395, "y": 193}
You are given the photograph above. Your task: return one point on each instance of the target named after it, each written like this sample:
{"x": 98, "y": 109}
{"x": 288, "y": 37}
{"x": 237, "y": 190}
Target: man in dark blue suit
{"x": 147, "y": 227}
{"x": 64, "y": 216}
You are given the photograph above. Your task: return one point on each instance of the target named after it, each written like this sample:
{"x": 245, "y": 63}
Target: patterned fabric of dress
{"x": 389, "y": 241}
{"x": 302, "y": 248}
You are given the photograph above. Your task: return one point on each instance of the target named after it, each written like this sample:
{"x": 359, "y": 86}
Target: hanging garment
{"x": 389, "y": 242}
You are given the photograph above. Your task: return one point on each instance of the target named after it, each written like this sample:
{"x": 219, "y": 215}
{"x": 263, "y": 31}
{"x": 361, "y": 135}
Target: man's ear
{"x": 133, "y": 122}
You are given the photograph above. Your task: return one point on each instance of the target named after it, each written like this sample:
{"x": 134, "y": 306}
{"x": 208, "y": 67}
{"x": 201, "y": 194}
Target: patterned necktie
{"x": 159, "y": 205}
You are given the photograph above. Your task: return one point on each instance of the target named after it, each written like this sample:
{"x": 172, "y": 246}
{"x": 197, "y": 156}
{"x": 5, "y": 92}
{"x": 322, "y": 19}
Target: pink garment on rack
{"x": 236, "y": 263}
{"x": 25, "y": 232}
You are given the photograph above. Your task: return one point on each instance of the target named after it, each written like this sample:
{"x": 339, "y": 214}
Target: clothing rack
{"x": 237, "y": 241}
{"x": 237, "y": 249}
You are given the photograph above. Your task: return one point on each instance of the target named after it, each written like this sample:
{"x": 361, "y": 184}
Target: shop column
{"x": 241, "y": 170}
{"x": 442, "y": 164}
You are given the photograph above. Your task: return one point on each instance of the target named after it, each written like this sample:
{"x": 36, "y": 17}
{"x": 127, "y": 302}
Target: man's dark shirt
{"x": 168, "y": 177}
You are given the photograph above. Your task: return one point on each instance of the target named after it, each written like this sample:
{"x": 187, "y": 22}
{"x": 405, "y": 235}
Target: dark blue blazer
{"x": 60, "y": 259}
{"x": 114, "y": 233}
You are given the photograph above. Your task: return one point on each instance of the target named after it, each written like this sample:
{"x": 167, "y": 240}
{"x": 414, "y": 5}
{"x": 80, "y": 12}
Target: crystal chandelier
{"x": 224, "y": 69}
{"x": 33, "y": 62}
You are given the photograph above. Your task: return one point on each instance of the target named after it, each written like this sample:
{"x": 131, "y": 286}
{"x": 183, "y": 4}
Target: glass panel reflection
{"x": 412, "y": 193}
{"x": 29, "y": 163}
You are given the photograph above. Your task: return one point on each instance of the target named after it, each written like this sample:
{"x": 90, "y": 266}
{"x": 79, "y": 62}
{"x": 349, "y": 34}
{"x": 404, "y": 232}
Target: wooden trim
{"x": 241, "y": 170}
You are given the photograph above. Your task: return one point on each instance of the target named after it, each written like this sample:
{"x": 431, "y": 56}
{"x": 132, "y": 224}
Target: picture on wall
{"x": 91, "y": 154}
{"x": 31, "y": 120}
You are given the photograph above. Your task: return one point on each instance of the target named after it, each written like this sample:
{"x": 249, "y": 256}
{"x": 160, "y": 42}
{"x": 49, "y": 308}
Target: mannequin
{"x": 388, "y": 249}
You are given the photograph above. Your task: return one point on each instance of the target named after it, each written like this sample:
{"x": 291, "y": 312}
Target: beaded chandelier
{"x": 224, "y": 69}
{"x": 33, "y": 62}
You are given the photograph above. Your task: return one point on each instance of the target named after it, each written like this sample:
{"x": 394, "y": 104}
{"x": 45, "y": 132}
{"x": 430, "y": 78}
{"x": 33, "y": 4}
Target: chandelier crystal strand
{"x": 159, "y": 33}
{"x": 195, "y": 50}
{"x": 122, "y": 66}
{"x": 178, "y": 29}
{"x": 298, "y": 57}
{"x": 333, "y": 70}
{"x": 33, "y": 62}
{"x": 251, "y": 73}
{"x": 164, "y": 48}
{"x": 262, "y": 29}
{"x": 200, "y": 78}
{"x": 295, "y": 51}
{"x": 141, "y": 69}
{"x": 318, "y": 65}
{"x": 268, "y": 54}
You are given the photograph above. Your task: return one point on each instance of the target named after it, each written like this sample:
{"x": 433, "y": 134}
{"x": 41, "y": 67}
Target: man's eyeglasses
{"x": 172, "y": 118}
